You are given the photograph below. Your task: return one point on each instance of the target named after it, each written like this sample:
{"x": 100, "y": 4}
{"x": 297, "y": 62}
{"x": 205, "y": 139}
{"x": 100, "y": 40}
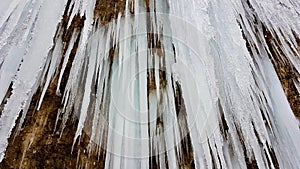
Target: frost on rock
{"x": 194, "y": 84}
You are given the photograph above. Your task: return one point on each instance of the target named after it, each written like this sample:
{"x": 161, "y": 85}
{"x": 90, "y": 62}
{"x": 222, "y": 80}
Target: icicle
{"x": 66, "y": 59}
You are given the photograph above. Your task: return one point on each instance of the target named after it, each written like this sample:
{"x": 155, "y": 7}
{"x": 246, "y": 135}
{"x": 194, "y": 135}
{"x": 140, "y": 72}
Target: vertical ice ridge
{"x": 25, "y": 83}
{"x": 91, "y": 63}
{"x": 277, "y": 30}
{"x": 228, "y": 71}
{"x": 16, "y": 45}
{"x": 51, "y": 65}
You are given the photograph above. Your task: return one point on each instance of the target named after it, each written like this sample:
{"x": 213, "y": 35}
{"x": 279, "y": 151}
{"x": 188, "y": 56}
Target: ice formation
{"x": 157, "y": 75}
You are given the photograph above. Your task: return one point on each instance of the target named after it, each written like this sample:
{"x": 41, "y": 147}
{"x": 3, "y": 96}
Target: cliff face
{"x": 53, "y": 133}
{"x": 38, "y": 145}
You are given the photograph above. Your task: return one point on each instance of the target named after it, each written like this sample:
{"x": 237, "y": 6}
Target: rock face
{"x": 40, "y": 141}
{"x": 286, "y": 72}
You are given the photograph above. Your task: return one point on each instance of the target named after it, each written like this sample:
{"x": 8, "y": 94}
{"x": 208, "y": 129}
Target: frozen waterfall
{"x": 161, "y": 84}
